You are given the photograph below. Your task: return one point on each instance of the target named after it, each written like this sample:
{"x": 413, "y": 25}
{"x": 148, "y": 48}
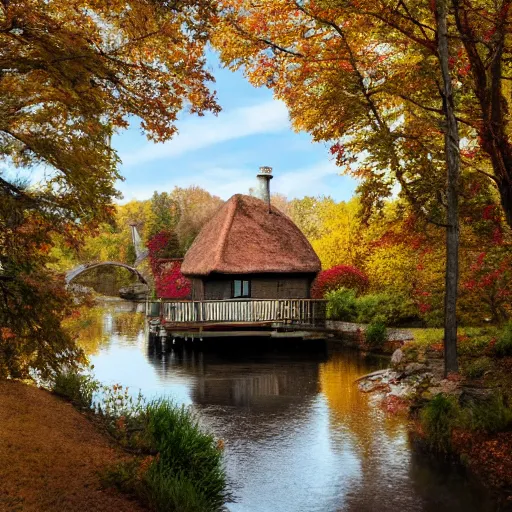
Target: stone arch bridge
{"x": 75, "y": 272}
{"x": 140, "y": 252}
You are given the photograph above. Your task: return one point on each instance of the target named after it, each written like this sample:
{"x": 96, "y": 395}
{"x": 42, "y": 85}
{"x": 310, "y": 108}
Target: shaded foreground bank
{"x": 59, "y": 459}
{"x": 51, "y": 456}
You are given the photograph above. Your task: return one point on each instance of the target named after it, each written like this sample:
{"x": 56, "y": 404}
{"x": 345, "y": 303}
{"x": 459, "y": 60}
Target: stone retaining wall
{"x": 352, "y": 328}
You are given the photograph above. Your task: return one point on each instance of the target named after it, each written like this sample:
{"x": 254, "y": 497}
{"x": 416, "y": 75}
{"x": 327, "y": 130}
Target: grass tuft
{"x": 76, "y": 387}
{"x": 437, "y": 420}
{"x": 186, "y": 451}
{"x": 477, "y": 368}
{"x": 178, "y": 468}
{"x": 376, "y": 334}
{"x": 492, "y": 415}
{"x": 182, "y": 470}
{"x": 503, "y": 346}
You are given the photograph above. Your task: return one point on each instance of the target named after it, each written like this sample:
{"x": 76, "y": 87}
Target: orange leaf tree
{"x": 365, "y": 75}
{"x": 71, "y": 74}
{"x": 388, "y": 83}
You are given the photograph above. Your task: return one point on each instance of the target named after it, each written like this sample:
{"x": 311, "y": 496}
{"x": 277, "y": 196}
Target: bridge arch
{"x": 75, "y": 272}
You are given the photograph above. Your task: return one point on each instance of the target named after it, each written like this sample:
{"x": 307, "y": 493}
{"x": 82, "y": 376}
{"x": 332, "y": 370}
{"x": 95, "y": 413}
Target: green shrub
{"x": 75, "y": 387}
{"x": 492, "y": 415}
{"x": 391, "y": 308}
{"x": 503, "y": 346}
{"x": 167, "y": 492}
{"x": 376, "y": 333}
{"x": 434, "y": 318}
{"x": 472, "y": 346}
{"x": 186, "y": 451}
{"x": 186, "y": 475}
{"x": 341, "y": 305}
{"x": 437, "y": 420}
{"x": 477, "y": 368}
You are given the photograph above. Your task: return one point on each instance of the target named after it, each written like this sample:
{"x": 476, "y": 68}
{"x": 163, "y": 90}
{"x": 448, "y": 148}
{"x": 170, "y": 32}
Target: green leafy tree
{"x": 164, "y": 215}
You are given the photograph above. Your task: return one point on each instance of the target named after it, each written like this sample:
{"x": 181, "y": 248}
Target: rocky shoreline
{"x": 409, "y": 380}
{"x": 411, "y": 383}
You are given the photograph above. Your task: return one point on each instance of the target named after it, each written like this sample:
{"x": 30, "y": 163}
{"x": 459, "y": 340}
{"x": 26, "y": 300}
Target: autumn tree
{"x": 196, "y": 207}
{"x": 33, "y": 300}
{"x": 71, "y": 74}
{"x": 304, "y": 212}
{"x": 164, "y": 214}
{"x": 373, "y": 78}
{"x": 452, "y": 157}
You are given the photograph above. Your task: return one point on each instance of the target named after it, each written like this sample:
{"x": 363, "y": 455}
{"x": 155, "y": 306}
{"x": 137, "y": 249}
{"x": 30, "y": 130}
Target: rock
{"x": 414, "y": 368}
{"x": 378, "y": 373}
{"x": 370, "y": 386}
{"x": 476, "y": 395}
{"x": 136, "y": 291}
{"x": 445, "y": 386}
{"x": 397, "y": 357}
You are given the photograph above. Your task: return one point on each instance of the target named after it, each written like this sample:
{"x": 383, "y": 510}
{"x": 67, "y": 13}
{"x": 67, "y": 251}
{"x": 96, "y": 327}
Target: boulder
{"x": 137, "y": 291}
{"x": 397, "y": 357}
{"x": 414, "y": 368}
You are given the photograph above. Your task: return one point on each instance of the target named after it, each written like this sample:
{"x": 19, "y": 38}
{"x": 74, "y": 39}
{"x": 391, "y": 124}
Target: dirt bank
{"x": 51, "y": 456}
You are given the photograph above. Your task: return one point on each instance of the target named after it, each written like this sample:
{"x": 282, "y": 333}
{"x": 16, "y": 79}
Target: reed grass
{"x": 178, "y": 467}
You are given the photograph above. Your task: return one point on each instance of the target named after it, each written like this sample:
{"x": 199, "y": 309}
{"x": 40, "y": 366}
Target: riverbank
{"x": 52, "y": 456}
{"x": 467, "y": 417}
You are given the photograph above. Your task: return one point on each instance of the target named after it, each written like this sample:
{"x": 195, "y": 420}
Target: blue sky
{"x": 222, "y": 153}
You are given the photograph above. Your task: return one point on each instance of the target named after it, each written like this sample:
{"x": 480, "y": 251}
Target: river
{"x": 298, "y": 435}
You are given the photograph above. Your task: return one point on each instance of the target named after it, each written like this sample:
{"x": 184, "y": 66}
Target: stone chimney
{"x": 263, "y": 187}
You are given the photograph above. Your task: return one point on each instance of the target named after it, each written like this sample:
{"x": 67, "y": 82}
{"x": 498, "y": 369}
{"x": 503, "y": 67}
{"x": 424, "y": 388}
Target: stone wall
{"x": 351, "y": 328}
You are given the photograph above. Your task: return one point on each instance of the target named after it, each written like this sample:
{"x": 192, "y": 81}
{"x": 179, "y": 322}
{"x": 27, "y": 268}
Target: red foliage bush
{"x": 162, "y": 245}
{"x": 341, "y": 276}
{"x": 170, "y": 283}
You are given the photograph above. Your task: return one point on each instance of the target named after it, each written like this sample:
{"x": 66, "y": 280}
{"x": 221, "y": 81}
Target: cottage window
{"x": 241, "y": 289}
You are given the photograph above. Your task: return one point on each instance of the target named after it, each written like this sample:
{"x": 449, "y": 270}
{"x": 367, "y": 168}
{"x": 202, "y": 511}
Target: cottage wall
{"x": 281, "y": 288}
{"x": 197, "y": 289}
{"x": 272, "y": 286}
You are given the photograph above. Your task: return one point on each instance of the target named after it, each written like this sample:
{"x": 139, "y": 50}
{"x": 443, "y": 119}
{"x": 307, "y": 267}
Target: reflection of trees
{"x": 349, "y": 407}
{"x": 442, "y": 486}
{"x": 129, "y": 324}
{"x": 376, "y": 439}
{"x": 88, "y": 329}
{"x": 95, "y": 326}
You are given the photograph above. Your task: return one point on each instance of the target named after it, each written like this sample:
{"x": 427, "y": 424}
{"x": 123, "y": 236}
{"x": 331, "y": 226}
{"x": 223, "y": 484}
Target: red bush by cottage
{"x": 341, "y": 276}
{"x": 170, "y": 283}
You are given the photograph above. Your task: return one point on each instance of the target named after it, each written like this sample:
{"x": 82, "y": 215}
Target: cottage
{"x": 251, "y": 250}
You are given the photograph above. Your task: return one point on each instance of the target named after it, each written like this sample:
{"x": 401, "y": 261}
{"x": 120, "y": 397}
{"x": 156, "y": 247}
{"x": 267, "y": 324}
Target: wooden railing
{"x": 300, "y": 311}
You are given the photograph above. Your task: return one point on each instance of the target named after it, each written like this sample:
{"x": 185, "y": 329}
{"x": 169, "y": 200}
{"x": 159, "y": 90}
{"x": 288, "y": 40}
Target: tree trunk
{"x": 451, "y": 138}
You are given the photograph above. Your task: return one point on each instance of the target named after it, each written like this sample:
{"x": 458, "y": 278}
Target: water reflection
{"x": 240, "y": 378}
{"x": 298, "y": 434}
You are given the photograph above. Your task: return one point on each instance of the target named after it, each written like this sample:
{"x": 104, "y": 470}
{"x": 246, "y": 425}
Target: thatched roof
{"x": 243, "y": 237}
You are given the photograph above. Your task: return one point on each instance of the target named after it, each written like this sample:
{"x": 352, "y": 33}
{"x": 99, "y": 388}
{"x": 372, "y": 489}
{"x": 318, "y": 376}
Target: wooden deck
{"x": 245, "y": 317}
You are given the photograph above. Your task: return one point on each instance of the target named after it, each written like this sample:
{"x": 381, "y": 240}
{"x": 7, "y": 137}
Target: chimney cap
{"x": 265, "y": 171}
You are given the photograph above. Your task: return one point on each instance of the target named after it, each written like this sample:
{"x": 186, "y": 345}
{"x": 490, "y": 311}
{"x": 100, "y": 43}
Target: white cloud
{"x": 306, "y": 181}
{"x": 267, "y": 117}
{"x": 222, "y": 182}
{"x": 225, "y": 182}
